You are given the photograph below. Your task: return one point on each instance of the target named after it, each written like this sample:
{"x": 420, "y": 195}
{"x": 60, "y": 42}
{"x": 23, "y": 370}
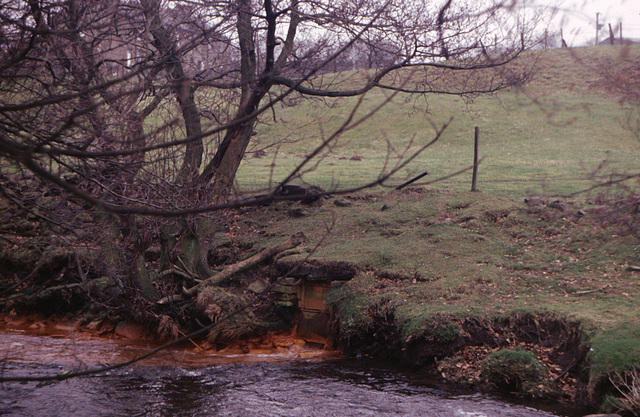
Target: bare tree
{"x": 132, "y": 117}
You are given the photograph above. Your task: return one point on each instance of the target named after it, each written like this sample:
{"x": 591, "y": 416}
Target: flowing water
{"x": 186, "y": 383}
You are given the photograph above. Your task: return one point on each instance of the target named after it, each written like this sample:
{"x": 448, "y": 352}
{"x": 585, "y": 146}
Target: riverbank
{"x": 55, "y": 345}
{"x": 439, "y": 279}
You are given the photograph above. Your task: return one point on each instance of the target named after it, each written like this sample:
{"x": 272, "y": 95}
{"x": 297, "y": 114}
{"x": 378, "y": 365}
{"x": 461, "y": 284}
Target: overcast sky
{"x": 578, "y": 18}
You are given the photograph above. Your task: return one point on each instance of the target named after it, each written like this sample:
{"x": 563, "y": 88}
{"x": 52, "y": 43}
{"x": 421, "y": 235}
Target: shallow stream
{"x": 186, "y": 383}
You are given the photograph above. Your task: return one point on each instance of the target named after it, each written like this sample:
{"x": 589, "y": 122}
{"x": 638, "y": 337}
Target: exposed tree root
{"x": 241, "y": 266}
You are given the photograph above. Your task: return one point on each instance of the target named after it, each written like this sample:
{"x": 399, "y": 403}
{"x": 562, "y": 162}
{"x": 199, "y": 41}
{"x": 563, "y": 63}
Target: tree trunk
{"x": 182, "y": 88}
{"x": 181, "y": 246}
{"x": 224, "y": 165}
{"x": 125, "y": 258}
{"x": 143, "y": 280}
{"x": 229, "y": 162}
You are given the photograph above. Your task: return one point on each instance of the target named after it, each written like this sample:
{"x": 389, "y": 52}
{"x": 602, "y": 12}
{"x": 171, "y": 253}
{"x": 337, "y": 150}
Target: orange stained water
{"x": 68, "y": 345}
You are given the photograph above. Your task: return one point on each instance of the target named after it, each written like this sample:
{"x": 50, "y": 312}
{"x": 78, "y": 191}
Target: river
{"x": 307, "y": 382}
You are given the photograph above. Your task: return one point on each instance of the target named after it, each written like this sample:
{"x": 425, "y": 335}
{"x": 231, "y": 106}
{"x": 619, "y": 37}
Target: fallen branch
{"x": 591, "y": 291}
{"x": 412, "y": 180}
{"x": 241, "y": 266}
{"x": 177, "y": 271}
{"x": 43, "y": 293}
{"x": 578, "y": 359}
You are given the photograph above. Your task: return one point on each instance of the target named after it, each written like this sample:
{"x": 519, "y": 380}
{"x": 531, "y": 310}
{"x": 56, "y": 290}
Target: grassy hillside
{"x": 554, "y": 136}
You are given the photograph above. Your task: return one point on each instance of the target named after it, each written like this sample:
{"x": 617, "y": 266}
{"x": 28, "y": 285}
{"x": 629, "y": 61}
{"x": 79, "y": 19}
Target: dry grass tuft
{"x": 216, "y": 302}
{"x": 168, "y": 328}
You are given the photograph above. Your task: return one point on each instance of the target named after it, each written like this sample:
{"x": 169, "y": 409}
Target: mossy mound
{"x": 516, "y": 370}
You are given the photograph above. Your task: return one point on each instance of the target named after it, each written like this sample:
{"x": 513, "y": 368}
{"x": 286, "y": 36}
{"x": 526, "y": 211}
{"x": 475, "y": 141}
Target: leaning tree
{"x": 123, "y": 123}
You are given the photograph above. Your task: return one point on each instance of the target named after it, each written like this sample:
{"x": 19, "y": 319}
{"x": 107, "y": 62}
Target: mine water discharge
{"x": 296, "y": 379}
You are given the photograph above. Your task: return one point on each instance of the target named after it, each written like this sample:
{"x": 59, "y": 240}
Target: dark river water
{"x": 285, "y": 384}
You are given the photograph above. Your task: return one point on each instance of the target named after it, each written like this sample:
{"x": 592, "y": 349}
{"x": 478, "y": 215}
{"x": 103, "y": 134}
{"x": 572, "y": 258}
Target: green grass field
{"x": 560, "y": 134}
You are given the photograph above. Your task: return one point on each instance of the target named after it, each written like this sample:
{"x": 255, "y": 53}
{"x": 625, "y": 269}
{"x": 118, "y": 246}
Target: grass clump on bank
{"x": 615, "y": 350}
{"x": 352, "y": 303}
{"x": 615, "y": 368}
{"x": 513, "y": 370}
{"x": 433, "y": 327}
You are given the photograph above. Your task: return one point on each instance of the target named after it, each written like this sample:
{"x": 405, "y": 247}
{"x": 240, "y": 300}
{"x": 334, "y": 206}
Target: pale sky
{"x": 578, "y": 19}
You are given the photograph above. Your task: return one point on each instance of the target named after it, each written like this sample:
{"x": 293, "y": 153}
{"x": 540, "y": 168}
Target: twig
{"x": 573, "y": 363}
{"x": 591, "y": 291}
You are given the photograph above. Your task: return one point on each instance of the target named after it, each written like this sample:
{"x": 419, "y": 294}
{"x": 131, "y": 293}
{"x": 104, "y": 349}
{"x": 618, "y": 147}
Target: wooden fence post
{"x": 474, "y": 178}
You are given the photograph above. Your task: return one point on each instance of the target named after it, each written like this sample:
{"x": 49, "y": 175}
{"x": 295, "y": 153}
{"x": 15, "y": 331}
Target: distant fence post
{"x": 474, "y": 178}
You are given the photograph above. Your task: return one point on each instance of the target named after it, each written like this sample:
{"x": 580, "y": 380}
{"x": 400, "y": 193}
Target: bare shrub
{"x": 628, "y": 385}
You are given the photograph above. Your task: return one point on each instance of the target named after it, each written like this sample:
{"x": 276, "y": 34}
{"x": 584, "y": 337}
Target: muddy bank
{"x": 456, "y": 349}
{"x": 130, "y": 340}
